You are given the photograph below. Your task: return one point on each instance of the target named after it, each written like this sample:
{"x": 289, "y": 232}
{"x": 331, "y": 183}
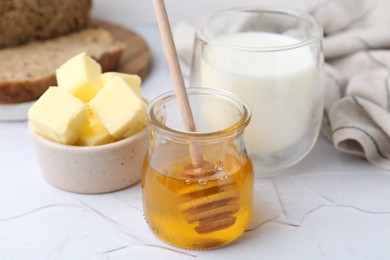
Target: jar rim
{"x": 158, "y": 103}
{"x": 316, "y": 36}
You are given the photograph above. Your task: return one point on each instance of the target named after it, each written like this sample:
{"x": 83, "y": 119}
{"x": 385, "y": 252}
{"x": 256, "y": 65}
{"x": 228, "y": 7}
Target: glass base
{"x": 286, "y": 158}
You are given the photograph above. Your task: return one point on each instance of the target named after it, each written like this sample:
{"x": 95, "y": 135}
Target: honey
{"x": 204, "y": 203}
{"x": 198, "y": 211}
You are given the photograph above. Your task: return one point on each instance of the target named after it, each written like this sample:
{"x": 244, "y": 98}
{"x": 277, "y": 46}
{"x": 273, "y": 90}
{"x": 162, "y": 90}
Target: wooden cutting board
{"x": 137, "y": 58}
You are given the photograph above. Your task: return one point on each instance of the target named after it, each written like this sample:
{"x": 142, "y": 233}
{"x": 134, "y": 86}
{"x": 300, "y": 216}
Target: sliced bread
{"x": 28, "y": 70}
{"x": 23, "y": 21}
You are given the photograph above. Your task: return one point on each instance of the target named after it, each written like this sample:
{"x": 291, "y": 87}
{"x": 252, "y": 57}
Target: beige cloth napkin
{"x": 357, "y": 75}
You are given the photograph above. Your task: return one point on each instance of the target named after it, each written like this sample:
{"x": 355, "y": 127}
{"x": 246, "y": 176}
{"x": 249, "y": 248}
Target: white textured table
{"x": 329, "y": 206}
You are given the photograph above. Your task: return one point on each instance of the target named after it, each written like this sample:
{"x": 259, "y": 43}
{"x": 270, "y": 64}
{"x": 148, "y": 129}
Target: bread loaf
{"x": 28, "y": 70}
{"x": 22, "y": 21}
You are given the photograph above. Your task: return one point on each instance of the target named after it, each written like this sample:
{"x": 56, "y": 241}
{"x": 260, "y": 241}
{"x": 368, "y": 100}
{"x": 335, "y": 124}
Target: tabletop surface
{"x": 331, "y": 205}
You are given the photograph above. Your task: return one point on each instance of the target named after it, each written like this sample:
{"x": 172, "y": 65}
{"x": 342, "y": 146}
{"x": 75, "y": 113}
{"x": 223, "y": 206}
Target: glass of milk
{"x": 273, "y": 59}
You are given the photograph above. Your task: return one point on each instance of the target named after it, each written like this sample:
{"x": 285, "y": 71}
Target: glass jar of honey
{"x": 205, "y": 203}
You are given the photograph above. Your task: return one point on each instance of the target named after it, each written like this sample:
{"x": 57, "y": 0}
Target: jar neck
{"x": 218, "y": 115}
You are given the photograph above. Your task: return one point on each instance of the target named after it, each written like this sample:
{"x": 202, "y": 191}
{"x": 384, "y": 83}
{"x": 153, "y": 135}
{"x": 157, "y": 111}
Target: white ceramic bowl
{"x": 96, "y": 169}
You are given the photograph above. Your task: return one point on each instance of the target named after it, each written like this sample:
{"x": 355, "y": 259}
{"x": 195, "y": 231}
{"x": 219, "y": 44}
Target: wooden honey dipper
{"x": 210, "y": 205}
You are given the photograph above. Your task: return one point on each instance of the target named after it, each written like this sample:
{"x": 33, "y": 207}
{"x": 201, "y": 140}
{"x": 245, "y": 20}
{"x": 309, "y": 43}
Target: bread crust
{"x": 26, "y": 90}
{"x": 12, "y": 92}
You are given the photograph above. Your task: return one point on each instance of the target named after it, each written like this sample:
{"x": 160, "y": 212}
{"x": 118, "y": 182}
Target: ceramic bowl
{"x": 97, "y": 169}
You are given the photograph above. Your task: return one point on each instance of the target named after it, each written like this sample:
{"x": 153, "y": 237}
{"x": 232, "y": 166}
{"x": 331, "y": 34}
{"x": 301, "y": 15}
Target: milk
{"x": 278, "y": 86}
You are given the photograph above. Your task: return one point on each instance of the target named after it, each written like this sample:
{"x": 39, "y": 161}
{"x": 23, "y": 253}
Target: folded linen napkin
{"x": 357, "y": 74}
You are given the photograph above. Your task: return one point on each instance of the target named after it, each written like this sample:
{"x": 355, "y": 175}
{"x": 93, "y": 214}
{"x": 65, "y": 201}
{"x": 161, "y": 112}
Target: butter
{"x": 119, "y": 109}
{"x": 134, "y": 81}
{"x": 89, "y": 108}
{"x": 94, "y": 134}
{"x": 80, "y": 76}
{"x": 58, "y": 116}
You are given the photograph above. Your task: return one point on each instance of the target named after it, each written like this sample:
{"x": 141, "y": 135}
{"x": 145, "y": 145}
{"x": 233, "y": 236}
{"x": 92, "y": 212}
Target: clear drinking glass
{"x": 273, "y": 59}
{"x": 203, "y": 205}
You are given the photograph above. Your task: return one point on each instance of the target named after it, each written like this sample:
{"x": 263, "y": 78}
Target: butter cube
{"x": 58, "y": 116}
{"x": 119, "y": 108}
{"x": 94, "y": 134}
{"x": 134, "y": 81}
{"x": 80, "y": 76}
